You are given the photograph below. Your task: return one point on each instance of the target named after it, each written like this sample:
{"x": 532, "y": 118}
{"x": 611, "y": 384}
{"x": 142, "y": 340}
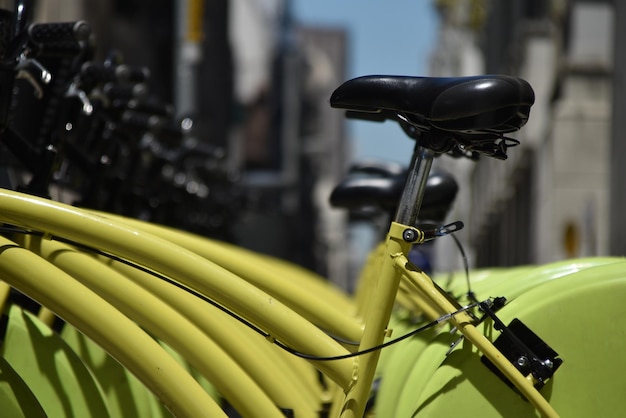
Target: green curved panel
{"x": 56, "y": 376}
{"x": 574, "y": 314}
{"x": 398, "y": 370}
{"x": 512, "y": 281}
{"x": 520, "y": 281}
{"x": 16, "y": 399}
{"x": 127, "y": 397}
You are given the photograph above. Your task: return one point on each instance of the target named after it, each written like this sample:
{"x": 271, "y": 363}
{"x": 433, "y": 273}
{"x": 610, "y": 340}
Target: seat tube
{"x": 413, "y": 193}
{"x": 385, "y": 288}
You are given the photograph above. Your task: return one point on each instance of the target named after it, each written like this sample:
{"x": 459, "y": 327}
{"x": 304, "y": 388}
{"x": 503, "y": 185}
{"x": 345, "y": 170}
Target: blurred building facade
{"x": 550, "y": 200}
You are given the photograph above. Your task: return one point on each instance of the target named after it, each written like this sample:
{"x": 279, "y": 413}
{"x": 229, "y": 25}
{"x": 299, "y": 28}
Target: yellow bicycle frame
{"x": 353, "y": 375}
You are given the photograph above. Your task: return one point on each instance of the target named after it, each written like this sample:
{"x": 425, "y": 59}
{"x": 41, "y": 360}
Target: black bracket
{"x": 524, "y": 349}
{"x": 435, "y": 231}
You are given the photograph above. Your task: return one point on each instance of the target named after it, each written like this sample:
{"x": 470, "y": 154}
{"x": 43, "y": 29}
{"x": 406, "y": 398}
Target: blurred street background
{"x": 255, "y": 76}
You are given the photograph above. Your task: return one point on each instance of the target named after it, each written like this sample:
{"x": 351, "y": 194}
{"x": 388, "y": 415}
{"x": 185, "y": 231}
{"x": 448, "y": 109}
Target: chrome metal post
{"x": 413, "y": 193}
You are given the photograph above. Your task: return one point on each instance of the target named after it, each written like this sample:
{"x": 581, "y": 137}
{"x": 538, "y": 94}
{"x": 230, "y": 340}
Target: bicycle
{"x": 339, "y": 370}
{"x": 48, "y": 250}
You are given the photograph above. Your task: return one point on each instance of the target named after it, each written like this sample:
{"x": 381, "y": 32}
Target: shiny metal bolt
{"x": 409, "y": 235}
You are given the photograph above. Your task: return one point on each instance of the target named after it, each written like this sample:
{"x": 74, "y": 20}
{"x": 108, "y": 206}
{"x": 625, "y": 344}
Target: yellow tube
{"x": 368, "y": 277}
{"x": 5, "y": 291}
{"x": 168, "y": 325}
{"x": 46, "y": 316}
{"x": 192, "y": 270}
{"x": 422, "y": 304}
{"x": 228, "y": 252}
{"x": 316, "y": 301}
{"x": 255, "y": 355}
{"x": 379, "y": 305}
{"x": 106, "y": 326}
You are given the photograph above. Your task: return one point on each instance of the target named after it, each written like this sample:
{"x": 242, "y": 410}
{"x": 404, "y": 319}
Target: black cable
{"x": 140, "y": 268}
{"x": 470, "y": 294}
{"x": 380, "y": 346}
{"x": 231, "y": 313}
{"x": 358, "y": 353}
{"x": 341, "y": 340}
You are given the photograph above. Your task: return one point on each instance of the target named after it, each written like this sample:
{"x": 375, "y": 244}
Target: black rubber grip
{"x": 43, "y": 33}
{"x": 59, "y": 49}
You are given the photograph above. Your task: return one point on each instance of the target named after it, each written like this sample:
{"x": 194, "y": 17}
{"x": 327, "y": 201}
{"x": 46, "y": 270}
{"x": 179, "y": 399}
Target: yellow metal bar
{"x": 415, "y": 295}
{"x": 255, "y": 354}
{"x": 317, "y": 302}
{"x": 5, "y": 291}
{"x": 174, "y": 261}
{"x": 404, "y": 298}
{"x": 106, "y": 326}
{"x": 368, "y": 278}
{"x": 46, "y": 316}
{"x": 464, "y": 323}
{"x": 379, "y": 307}
{"x": 410, "y": 298}
{"x": 314, "y": 282}
{"x": 167, "y": 324}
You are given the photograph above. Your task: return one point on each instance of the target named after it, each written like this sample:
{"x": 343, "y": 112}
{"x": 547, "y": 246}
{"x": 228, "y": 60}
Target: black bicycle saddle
{"x": 383, "y": 192}
{"x": 486, "y": 104}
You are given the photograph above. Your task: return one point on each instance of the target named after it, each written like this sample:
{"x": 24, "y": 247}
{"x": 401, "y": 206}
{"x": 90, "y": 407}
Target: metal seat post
{"x": 415, "y": 185}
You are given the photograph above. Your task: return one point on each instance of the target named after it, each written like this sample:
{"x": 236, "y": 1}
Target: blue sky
{"x": 384, "y": 37}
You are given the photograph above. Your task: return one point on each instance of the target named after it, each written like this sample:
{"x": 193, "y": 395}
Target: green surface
{"x": 576, "y": 313}
{"x": 54, "y": 373}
